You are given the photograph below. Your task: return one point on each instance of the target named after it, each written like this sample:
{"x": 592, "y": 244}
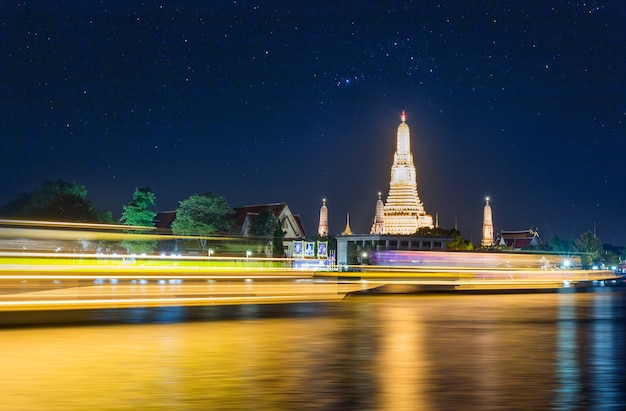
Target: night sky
{"x": 279, "y": 101}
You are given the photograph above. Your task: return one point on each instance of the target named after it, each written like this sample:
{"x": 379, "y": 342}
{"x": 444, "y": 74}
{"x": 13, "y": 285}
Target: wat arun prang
{"x": 403, "y": 213}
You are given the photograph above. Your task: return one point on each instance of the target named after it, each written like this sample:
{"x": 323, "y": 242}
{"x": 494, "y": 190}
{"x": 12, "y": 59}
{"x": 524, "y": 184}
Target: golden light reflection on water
{"x": 227, "y": 365}
{"x": 402, "y": 365}
{"x": 479, "y": 352}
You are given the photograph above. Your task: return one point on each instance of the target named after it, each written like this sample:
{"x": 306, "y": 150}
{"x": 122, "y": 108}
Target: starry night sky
{"x": 290, "y": 101}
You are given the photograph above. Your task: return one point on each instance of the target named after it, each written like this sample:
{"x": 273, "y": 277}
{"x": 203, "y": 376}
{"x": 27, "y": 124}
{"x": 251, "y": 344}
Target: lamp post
{"x": 248, "y": 254}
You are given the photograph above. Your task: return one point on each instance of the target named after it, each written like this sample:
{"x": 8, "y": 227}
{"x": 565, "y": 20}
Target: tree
{"x": 56, "y": 201}
{"x": 66, "y": 207}
{"x": 13, "y": 208}
{"x": 138, "y": 213}
{"x": 264, "y": 224}
{"x": 458, "y": 243}
{"x": 590, "y": 248}
{"x": 609, "y": 258}
{"x": 561, "y": 246}
{"x": 49, "y": 190}
{"x": 277, "y": 240}
{"x": 203, "y": 215}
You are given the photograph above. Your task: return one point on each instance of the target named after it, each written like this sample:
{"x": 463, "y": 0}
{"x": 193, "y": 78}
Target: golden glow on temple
{"x": 403, "y": 212}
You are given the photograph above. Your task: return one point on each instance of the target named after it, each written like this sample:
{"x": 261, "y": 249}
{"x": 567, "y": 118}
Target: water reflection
{"x": 567, "y": 354}
{"x": 426, "y": 352}
{"x": 604, "y": 359}
{"x": 401, "y": 364}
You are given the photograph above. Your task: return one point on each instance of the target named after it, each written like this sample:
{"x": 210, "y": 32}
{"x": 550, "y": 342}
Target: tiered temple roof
{"x": 403, "y": 210}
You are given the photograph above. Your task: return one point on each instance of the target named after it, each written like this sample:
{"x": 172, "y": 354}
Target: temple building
{"x": 403, "y": 212}
{"x": 518, "y": 239}
{"x": 397, "y": 221}
{"x": 290, "y": 223}
{"x": 487, "y": 240}
{"x": 322, "y": 228}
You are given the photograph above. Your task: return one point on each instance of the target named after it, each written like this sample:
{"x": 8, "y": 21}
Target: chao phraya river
{"x": 545, "y": 351}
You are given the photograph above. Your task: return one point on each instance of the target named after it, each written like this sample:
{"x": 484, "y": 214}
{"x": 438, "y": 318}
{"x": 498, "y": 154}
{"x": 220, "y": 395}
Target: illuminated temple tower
{"x": 322, "y": 228}
{"x": 378, "y": 226}
{"x": 487, "y": 240}
{"x": 403, "y": 211}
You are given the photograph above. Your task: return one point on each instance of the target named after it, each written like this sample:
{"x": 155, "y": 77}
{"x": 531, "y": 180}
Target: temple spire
{"x": 487, "y": 240}
{"x": 403, "y": 212}
{"x": 347, "y": 230}
{"x": 378, "y": 227}
{"x": 322, "y": 228}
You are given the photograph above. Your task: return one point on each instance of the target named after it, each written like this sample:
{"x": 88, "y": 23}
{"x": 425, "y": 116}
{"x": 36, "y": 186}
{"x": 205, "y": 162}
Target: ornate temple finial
{"x": 378, "y": 226}
{"x": 347, "y": 230}
{"x": 403, "y": 116}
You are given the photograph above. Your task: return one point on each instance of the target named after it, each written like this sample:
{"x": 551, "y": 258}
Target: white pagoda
{"x": 403, "y": 211}
{"x": 487, "y": 240}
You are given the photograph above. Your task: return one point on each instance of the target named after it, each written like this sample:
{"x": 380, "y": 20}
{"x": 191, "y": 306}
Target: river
{"x": 544, "y": 351}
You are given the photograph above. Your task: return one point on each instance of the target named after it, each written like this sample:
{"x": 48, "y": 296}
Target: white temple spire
{"x": 487, "y": 240}
{"x": 378, "y": 227}
{"x": 403, "y": 211}
{"x": 322, "y": 228}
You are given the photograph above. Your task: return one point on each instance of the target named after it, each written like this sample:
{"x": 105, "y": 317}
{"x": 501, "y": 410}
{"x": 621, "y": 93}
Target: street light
{"x": 248, "y": 254}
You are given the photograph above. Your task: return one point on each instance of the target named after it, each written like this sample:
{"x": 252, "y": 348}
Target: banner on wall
{"x": 298, "y": 250}
{"x": 309, "y": 249}
{"x": 322, "y": 249}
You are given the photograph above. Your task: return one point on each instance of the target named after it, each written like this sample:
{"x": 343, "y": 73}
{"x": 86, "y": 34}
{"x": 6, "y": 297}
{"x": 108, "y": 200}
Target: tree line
{"x": 207, "y": 214}
{"x": 200, "y": 215}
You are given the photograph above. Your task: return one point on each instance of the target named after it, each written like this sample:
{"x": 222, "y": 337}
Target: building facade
{"x": 358, "y": 249}
{"x": 290, "y": 223}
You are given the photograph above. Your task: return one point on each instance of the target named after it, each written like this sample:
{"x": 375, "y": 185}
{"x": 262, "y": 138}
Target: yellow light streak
{"x": 43, "y": 280}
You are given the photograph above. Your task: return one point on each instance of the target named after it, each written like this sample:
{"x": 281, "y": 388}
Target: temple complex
{"x": 403, "y": 212}
{"x": 396, "y": 222}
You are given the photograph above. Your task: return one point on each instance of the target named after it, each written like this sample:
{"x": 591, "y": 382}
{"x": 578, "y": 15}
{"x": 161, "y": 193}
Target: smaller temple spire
{"x": 403, "y": 116}
{"x": 322, "y": 228}
{"x": 378, "y": 227}
{"x": 487, "y": 240}
{"x": 347, "y": 230}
